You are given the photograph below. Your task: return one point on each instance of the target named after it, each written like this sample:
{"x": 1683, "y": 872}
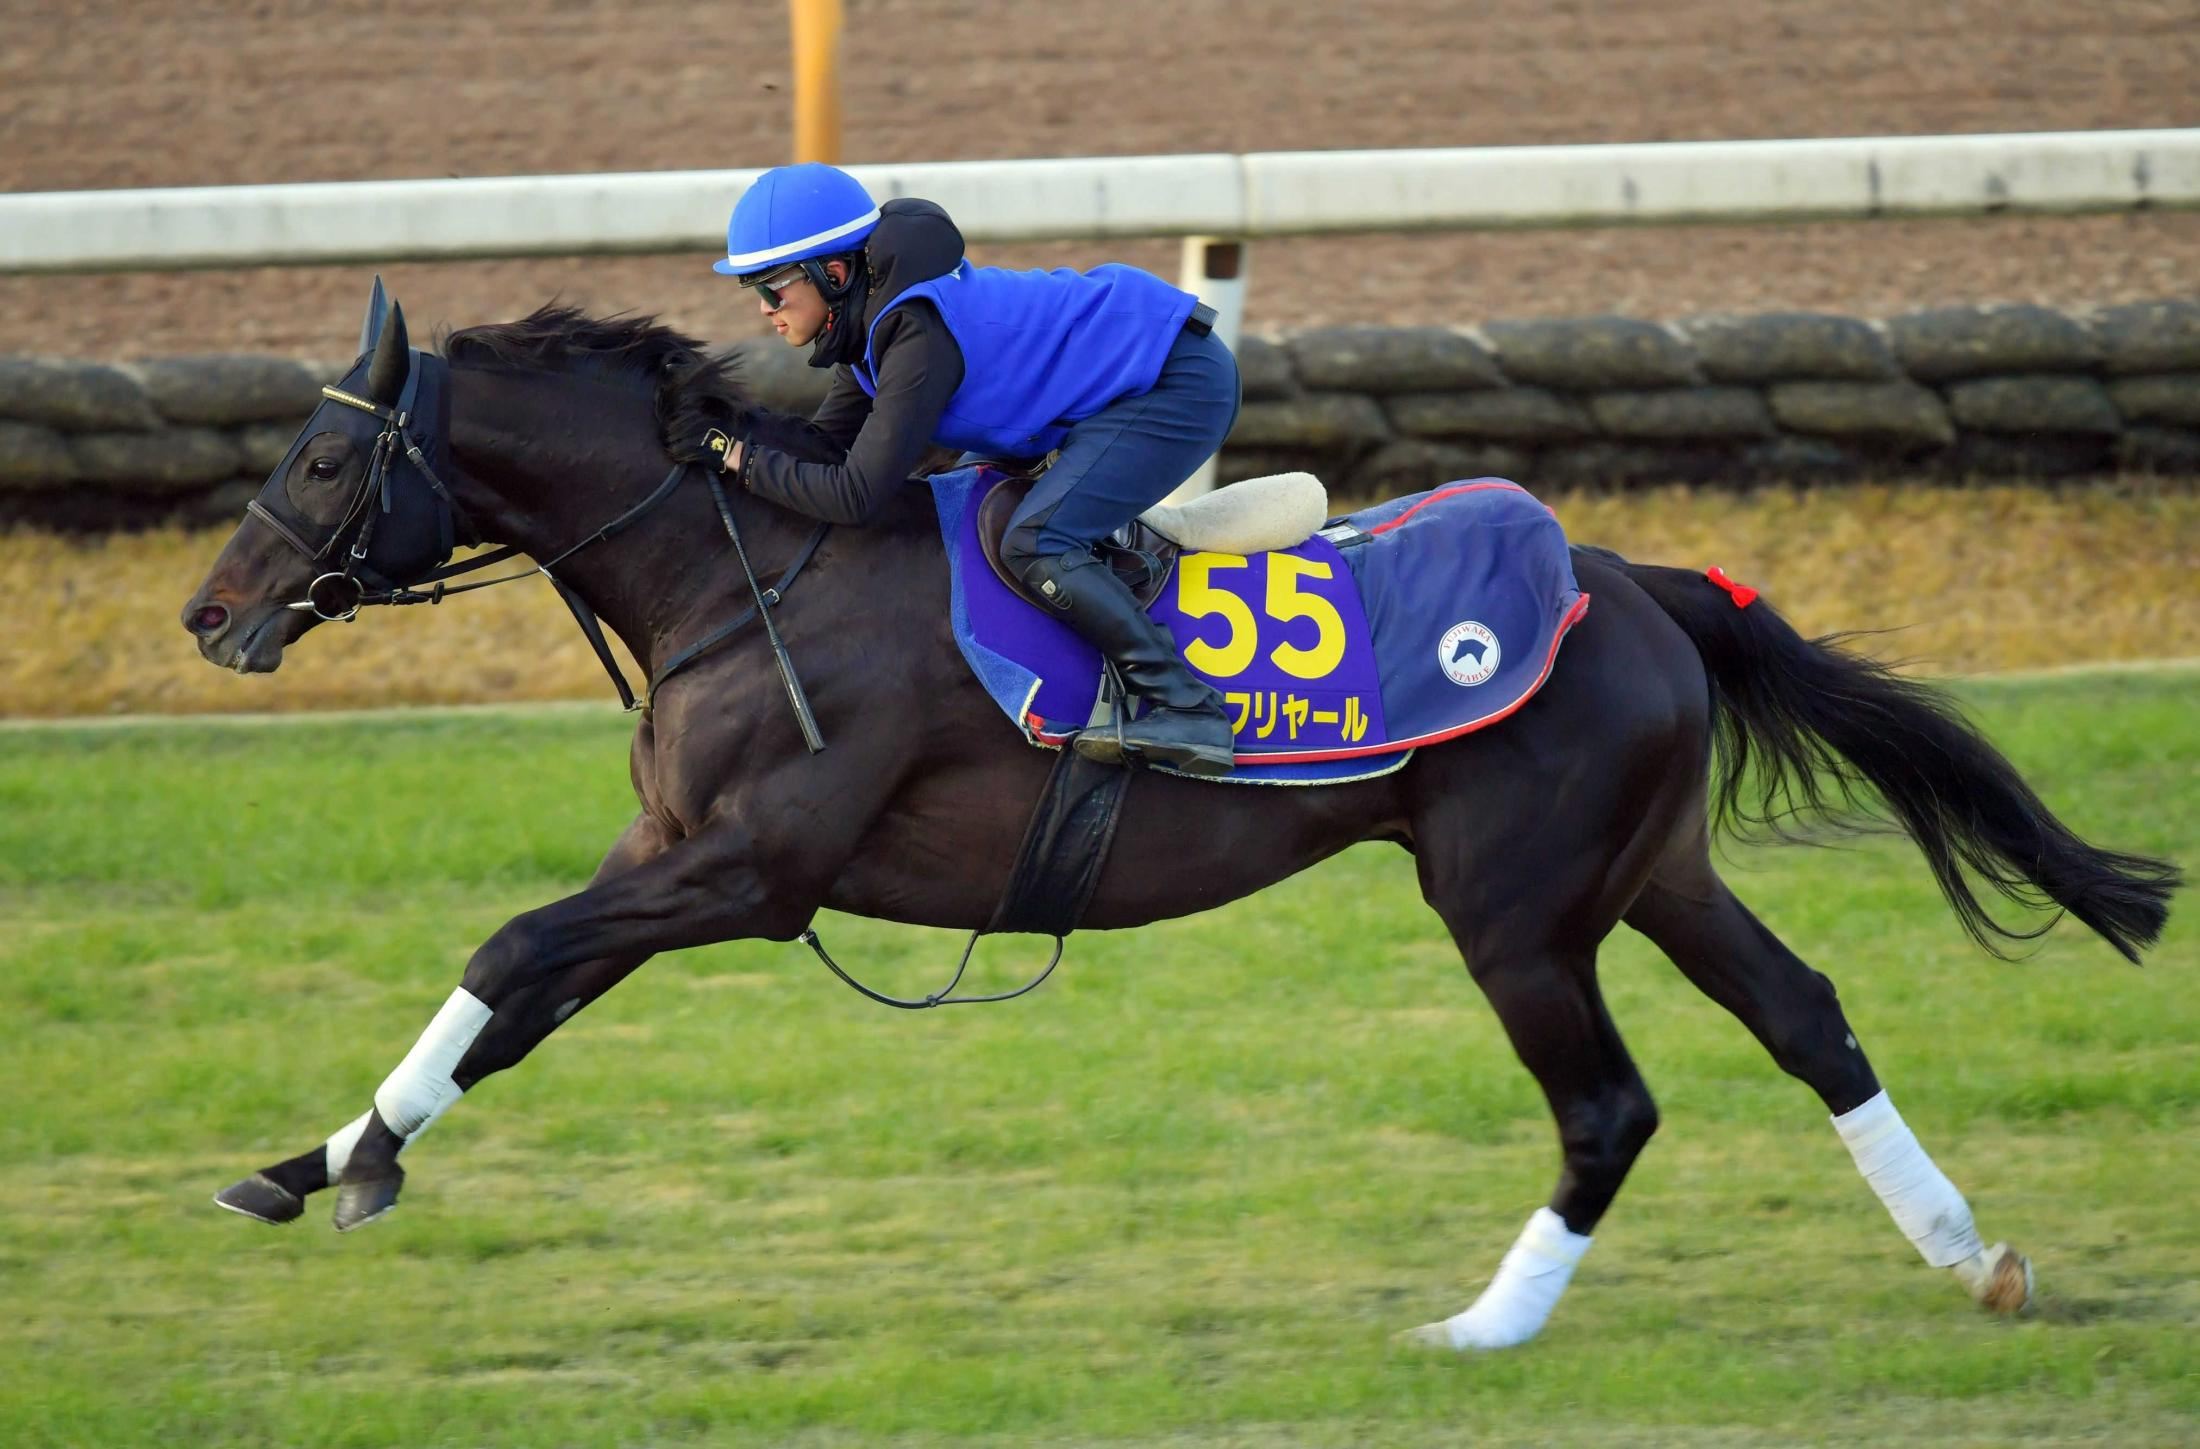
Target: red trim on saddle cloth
{"x": 1439, "y": 496}
{"x": 1039, "y": 732}
{"x": 1742, "y": 594}
{"x": 1391, "y": 747}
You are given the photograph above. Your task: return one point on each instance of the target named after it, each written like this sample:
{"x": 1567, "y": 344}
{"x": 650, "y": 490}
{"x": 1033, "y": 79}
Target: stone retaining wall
{"x": 1955, "y": 392}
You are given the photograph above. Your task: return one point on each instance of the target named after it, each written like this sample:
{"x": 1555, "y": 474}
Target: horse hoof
{"x": 2009, "y": 1281}
{"x": 1999, "y": 1278}
{"x": 1427, "y": 1336}
{"x": 359, "y": 1203}
{"x": 262, "y": 1198}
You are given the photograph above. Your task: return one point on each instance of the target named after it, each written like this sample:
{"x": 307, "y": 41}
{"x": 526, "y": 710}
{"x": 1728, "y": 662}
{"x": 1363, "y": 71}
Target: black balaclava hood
{"x": 840, "y": 340}
{"x": 913, "y": 242}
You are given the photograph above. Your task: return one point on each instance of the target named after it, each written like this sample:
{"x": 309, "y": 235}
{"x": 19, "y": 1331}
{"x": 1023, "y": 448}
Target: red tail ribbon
{"x": 1741, "y": 594}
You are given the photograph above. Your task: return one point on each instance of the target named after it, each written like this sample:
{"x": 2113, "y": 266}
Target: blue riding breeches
{"x": 1130, "y": 455}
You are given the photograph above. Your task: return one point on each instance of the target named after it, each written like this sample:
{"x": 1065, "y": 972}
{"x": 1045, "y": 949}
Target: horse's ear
{"x": 378, "y": 307}
{"x": 392, "y": 360}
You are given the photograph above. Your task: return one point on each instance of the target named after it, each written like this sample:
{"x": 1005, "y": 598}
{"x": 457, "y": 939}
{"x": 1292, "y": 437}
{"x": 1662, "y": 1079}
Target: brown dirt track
{"x": 129, "y": 93}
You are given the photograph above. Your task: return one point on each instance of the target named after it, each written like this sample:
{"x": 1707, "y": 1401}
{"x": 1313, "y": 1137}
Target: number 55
{"x": 1198, "y": 597}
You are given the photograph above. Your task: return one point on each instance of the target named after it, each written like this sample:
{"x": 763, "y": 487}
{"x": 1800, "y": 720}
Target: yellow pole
{"x": 816, "y": 26}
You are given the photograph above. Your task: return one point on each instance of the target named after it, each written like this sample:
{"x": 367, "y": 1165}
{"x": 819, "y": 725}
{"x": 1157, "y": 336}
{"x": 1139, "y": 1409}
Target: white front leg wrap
{"x": 1922, "y": 1201}
{"x": 1520, "y": 1298}
{"x": 421, "y": 1088}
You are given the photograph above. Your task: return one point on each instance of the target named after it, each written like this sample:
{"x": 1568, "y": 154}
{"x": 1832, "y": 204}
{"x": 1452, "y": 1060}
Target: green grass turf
{"x": 1184, "y": 1194}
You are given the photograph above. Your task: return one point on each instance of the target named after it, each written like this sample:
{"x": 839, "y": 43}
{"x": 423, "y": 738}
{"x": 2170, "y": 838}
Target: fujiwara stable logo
{"x": 1468, "y": 653}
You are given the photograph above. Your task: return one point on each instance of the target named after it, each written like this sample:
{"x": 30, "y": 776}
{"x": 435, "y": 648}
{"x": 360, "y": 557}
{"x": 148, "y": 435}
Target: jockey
{"x": 1115, "y": 372}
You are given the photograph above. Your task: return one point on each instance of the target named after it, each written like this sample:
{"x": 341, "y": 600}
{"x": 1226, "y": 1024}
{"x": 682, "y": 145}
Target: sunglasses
{"x": 773, "y": 289}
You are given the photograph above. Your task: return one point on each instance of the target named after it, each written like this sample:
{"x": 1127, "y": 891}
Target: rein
{"x": 338, "y": 595}
{"x": 945, "y": 996}
{"x": 375, "y": 484}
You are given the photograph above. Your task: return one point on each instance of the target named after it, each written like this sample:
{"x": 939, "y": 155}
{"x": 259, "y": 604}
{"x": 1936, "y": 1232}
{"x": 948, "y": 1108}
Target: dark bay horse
{"x": 1532, "y": 840}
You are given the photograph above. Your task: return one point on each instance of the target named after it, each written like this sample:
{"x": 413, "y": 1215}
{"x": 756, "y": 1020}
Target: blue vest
{"x": 1042, "y": 350}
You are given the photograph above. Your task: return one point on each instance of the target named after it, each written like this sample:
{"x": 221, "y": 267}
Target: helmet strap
{"x": 831, "y": 291}
{"x": 834, "y": 340}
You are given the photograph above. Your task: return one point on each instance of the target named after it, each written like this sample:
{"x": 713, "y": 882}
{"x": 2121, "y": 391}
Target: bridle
{"x": 337, "y": 594}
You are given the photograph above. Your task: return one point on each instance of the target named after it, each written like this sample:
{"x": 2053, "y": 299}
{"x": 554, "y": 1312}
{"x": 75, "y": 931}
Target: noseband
{"x": 337, "y": 594}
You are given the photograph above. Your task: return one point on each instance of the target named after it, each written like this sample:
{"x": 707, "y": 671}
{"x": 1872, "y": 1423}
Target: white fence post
{"x": 1214, "y": 271}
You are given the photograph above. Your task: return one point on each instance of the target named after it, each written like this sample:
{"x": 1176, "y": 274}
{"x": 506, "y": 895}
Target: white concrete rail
{"x": 1263, "y": 194}
{"x": 1721, "y": 181}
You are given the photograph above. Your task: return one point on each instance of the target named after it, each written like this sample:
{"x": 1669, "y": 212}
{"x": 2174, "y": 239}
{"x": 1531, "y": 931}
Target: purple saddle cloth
{"x": 1404, "y": 624}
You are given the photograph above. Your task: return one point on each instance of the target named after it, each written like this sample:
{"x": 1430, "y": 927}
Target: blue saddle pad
{"x": 1398, "y": 626}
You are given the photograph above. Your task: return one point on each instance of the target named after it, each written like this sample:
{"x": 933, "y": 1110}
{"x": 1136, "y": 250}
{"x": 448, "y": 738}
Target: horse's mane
{"x": 687, "y": 382}
{"x": 691, "y": 388}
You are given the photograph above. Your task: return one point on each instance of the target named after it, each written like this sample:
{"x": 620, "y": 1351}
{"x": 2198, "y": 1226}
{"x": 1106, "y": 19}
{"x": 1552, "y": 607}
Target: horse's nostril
{"x": 209, "y": 619}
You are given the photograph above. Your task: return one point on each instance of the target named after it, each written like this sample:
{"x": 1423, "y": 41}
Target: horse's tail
{"x": 1824, "y": 722}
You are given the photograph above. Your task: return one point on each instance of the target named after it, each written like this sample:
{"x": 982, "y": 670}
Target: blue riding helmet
{"x": 795, "y": 213}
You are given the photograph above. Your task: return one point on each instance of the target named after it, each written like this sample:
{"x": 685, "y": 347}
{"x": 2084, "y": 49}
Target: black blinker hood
{"x": 412, "y": 526}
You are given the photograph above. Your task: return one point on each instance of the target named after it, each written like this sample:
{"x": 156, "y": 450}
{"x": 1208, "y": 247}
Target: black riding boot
{"x": 1184, "y": 726}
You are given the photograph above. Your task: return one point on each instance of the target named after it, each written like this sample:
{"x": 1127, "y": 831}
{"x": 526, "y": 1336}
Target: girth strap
{"x": 1058, "y": 865}
{"x": 1050, "y": 884}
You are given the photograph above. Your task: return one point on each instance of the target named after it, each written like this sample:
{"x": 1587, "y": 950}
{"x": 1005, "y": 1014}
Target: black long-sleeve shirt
{"x": 878, "y": 440}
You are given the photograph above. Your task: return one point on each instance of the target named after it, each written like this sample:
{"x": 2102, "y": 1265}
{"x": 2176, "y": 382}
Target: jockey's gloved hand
{"x": 707, "y": 439}
{"x": 708, "y": 446}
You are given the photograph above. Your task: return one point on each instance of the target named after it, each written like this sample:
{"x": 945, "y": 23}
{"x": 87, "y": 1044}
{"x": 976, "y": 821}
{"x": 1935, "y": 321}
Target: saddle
{"x": 1397, "y": 626}
{"x": 1138, "y": 555}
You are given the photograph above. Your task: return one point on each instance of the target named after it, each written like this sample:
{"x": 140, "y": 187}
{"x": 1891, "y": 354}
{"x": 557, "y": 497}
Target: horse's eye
{"x": 325, "y": 468}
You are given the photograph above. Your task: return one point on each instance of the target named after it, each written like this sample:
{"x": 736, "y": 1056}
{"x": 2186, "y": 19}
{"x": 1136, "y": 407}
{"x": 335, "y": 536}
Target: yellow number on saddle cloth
{"x": 1286, "y": 602}
{"x": 1198, "y": 596}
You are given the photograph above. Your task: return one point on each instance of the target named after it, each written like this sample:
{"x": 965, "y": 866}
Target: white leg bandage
{"x": 339, "y": 1146}
{"x": 1922, "y": 1201}
{"x": 421, "y": 1088}
{"x": 1535, "y": 1272}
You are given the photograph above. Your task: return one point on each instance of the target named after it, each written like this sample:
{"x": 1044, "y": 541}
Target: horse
{"x": 1680, "y": 706}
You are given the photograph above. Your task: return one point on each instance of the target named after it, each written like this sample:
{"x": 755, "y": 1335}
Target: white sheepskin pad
{"x": 1279, "y": 511}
